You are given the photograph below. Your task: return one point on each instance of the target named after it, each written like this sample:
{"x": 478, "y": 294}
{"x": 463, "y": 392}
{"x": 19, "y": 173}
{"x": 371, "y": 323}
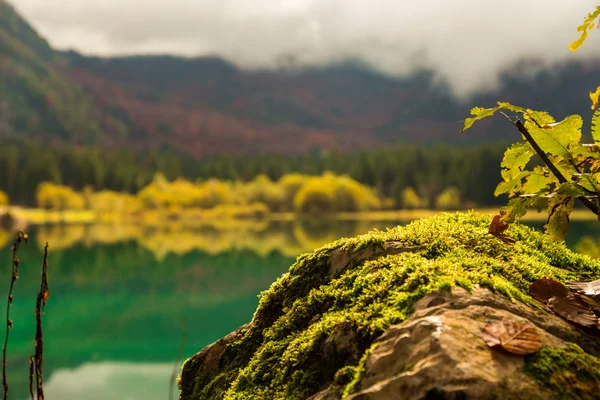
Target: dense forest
{"x": 474, "y": 170}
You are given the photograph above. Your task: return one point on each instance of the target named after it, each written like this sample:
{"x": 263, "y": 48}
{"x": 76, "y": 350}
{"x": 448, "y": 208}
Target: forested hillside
{"x": 207, "y": 106}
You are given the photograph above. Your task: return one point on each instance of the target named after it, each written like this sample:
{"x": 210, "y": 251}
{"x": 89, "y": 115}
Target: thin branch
{"x": 42, "y": 298}
{"x": 21, "y": 236}
{"x": 561, "y": 178}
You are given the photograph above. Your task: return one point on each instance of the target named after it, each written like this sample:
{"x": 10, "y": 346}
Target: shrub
{"x": 3, "y": 199}
{"x": 58, "y": 197}
{"x": 410, "y": 199}
{"x": 449, "y": 199}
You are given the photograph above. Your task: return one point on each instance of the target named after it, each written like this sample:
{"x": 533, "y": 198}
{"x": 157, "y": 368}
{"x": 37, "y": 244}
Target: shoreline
{"x": 195, "y": 217}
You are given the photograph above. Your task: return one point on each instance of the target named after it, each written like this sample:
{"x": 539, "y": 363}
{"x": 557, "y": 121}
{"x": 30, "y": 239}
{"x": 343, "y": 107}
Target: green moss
{"x": 355, "y": 373}
{"x": 569, "y": 372}
{"x": 281, "y": 355}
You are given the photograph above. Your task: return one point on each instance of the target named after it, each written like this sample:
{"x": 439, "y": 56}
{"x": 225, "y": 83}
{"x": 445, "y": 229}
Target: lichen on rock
{"x": 317, "y": 329}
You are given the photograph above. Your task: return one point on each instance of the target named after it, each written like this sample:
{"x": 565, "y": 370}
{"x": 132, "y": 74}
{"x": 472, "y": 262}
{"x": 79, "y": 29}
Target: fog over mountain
{"x": 466, "y": 42}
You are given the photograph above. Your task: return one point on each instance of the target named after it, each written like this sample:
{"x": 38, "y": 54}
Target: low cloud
{"x": 466, "y": 42}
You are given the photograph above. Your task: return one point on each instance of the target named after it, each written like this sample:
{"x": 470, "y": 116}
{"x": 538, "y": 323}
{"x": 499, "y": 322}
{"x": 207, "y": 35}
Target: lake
{"x": 120, "y": 296}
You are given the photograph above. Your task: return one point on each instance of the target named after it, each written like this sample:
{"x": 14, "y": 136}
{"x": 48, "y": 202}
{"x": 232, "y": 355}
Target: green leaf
{"x": 478, "y": 114}
{"x": 512, "y": 186}
{"x": 586, "y": 182}
{"x": 568, "y": 131}
{"x": 596, "y": 126}
{"x": 541, "y": 117}
{"x": 559, "y": 209}
{"x": 535, "y": 183}
{"x": 511, "y": 107}
{"x": 570, "y": 189}
{"x": 558, "y": 224}
{"x": 515, "y": 159}
{"x": 547, "y": 142}
{"x": 516, "y": 208}
{"x": 582, "y": 153}
{"x": 540, "y": 202}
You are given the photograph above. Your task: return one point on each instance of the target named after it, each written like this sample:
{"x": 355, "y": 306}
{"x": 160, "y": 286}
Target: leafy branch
{"x": 571, "y": 170}
{"x": 593, "y": 207}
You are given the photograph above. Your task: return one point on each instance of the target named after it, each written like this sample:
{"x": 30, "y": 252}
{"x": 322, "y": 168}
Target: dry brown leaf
{"x": 544, "y": 289}
{"x": 498, "y": 226}
{"x": 513, "y": 336}
{"x": 574, "y": 310}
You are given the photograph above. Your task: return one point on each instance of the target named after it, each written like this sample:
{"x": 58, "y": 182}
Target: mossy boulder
{"x": 332, "y": 327}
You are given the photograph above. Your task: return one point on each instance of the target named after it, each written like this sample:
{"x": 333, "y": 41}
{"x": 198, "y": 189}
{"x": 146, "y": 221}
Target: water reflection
{"x": 109, "y": 380}
{"x": 260, "y": 237}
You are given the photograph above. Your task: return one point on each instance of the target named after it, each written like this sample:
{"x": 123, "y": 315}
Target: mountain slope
{"x": 37, "y": 97}
{"x": 207, "y": 106}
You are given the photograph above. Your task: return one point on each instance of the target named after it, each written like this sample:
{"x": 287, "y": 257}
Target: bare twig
{"x": 561, "y": 178}
{"x": 21, "y": 236}
{"x": 31, "y": 364}
{"x": 38, "y": 358}
{"x": 177, "y": 366}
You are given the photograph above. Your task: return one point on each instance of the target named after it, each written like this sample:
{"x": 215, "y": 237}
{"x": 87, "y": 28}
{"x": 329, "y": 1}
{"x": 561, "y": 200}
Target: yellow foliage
{"x": 449, "y": 199}
{"x": 588, "y": 24}
{"x": 410, "y": 199}
{"x": 162, "y": 200}
{"x": 594, "y": 97}
{"x": 3, "y": 199}
{"x": 51, "y": 196}
{"x": 264, "y": 190}
{"x": 110, "y": 201}
{"x": 331, "y": 193}
{"x": 315, "y": 197}
{"x": 291, "y": 184}
{"x": 212, "y": 193}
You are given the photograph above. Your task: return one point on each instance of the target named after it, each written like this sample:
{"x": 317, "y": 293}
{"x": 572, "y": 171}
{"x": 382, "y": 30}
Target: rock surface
{"x": 439, "y": 353}
{"x": 387, "y": 316}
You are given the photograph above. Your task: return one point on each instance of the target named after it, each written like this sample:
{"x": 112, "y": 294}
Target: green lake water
{"x": 112, "y": 326}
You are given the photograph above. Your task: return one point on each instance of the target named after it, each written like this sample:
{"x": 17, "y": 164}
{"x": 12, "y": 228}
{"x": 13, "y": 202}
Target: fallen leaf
{"x": 574, "y": 310}
{"x": 515, "y": 337}
{"x": 498, "y": 226}
{"x": 544, "y": 289}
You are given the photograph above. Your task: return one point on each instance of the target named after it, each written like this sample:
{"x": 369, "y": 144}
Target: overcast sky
{"x": 465, "y": 41}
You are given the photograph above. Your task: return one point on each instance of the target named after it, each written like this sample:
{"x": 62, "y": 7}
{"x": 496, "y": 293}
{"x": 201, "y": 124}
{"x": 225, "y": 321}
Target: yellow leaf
{"x": 594, "y": 97}
{"x": 579, "y": 42}
{"x": 588, "y": 24}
